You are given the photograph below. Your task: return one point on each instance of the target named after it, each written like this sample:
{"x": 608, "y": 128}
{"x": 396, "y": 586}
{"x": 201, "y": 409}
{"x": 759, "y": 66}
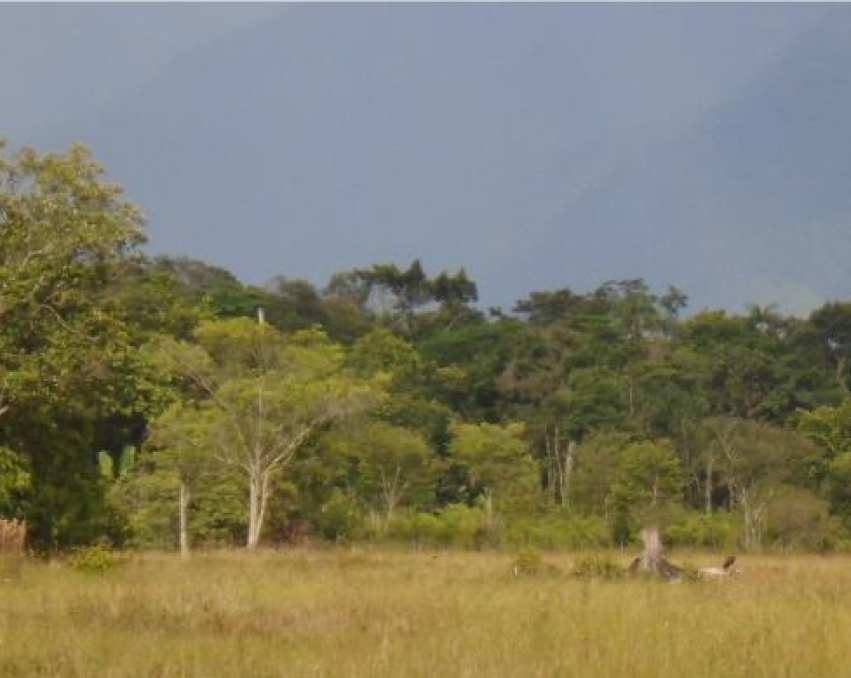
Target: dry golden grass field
{"x": 365, "y": 612}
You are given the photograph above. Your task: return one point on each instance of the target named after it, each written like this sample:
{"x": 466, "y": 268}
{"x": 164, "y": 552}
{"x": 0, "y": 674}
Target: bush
{"x": 455, "y": 525}
{"x": 463, "y": 526}
{"x": 559, "y": 531}
{"x": 718, "y": 530}
{"x": 798, "y": 519}
{"x": 528, "y": 561}
{"x": 95, "y": 559}
{"x": 596, "y": 567}
{"x": 340, "y": 518}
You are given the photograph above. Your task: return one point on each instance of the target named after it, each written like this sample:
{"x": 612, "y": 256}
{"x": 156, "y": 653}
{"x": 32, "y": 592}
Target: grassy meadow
{"x": 365, "y": 612}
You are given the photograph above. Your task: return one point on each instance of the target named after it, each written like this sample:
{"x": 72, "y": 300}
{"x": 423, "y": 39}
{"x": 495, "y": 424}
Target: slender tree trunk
{"x": 568, "y": 470}
{"x": 840, "y": 375}
{"x": 488, "y": 508}
{"x": 391, "y": 491}
{"x": 254, "y": 516}
{"x": 258, "y": 500}
{"x": 709, "y": 464}
{"x": 264, "y": 502}
{"x": 750, "y": 522}
{"x": 183, "y": 501}
{"x": 556, "y": 481}
{"x": 552, "y": 463}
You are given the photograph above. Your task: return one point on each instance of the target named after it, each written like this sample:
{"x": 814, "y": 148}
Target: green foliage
{"x": 596, "y": 567}
{"x": 340, "y": 518}
{"x": 15, "y": 483}
{"x": 394, "y": 466}
{"x": 650, "y": 481}
{"x": 798, "y": 519}
{"x": 68, "y": 358}
{"x": 720, "y": 530}
{"x": 558, "y": 530}
{"x": 96, "y": 559}
{"x": 495, "y": 458}
{"x": 529, "y": 561}
{"x": 830, "y": 429}
{"x": 567, "y": 423}
{"x": 455, "y": 525}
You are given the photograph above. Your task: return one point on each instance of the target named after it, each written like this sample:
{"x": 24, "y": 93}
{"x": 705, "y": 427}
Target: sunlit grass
{"x": 360, "y": 612}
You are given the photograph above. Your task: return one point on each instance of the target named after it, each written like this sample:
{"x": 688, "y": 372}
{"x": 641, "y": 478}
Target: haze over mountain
{"x": 537, "y": 145}
{"x": 752, "y": 201}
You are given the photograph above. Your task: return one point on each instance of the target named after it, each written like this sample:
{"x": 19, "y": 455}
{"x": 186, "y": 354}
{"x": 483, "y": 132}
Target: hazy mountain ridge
{"x": 754, "y": 196}
{"x": 495, "y": 138}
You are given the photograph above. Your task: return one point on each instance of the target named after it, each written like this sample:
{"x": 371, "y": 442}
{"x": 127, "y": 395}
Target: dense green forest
{"x": 159, "y": 401}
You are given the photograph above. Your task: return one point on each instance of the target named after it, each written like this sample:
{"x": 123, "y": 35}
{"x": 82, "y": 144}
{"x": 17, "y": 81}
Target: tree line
{"x": 160, "y": 402}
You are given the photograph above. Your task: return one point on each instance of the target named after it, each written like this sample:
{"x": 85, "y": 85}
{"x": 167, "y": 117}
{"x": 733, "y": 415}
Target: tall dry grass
{"x": 341, "y": 612}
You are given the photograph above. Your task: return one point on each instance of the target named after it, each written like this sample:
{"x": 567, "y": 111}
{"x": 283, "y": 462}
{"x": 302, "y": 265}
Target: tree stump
{"x": 651, "y": 560}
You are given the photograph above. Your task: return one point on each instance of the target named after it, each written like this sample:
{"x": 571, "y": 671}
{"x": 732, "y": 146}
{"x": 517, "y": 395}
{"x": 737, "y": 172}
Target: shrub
{"x": 798, "y": 519}
{"x": 718, "y": 530}
{"x": 95, "y": 559}
{"x": 528, "y": 561}
{"x": 559, "y": 530}
{"x": 455, "y": 525}
{"x": 596, "y": 567}
{"x": 340, "y": 517}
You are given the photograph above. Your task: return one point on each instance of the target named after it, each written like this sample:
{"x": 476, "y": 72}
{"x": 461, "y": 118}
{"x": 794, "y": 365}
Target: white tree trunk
{"x": 568, "y": 471}
{"x": 488, "y": 508}
{"x": 185, "y": 497}
{"x": 258, "y": 500}
{"x": 391, "y": 489}
{"x": 709, "y": 463}
{"x": 254, "y": 514}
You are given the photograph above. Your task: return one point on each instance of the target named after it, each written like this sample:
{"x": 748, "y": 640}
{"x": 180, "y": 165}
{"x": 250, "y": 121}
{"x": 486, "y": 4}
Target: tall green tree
{"x": 68, "y": 359}
{"x": 178, "y": 441}
{"x": 755, "y": 461}
{"x": 496, "y": 459}
{"x": 265, "y": 395}
{"x": 830, "y": 429}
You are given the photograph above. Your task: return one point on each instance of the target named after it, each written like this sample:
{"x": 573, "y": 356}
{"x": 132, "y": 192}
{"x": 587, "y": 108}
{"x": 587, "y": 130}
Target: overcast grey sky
{"x": 57, "y": 59}
{"x": 514, "y": 139}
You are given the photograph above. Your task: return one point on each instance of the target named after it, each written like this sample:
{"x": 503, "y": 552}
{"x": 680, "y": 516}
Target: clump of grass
{"x": 596, "y": 567}
{"x": 689, "y": 572}
{"x": 528, "y": 561}
{"x": 95, "y": 559}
